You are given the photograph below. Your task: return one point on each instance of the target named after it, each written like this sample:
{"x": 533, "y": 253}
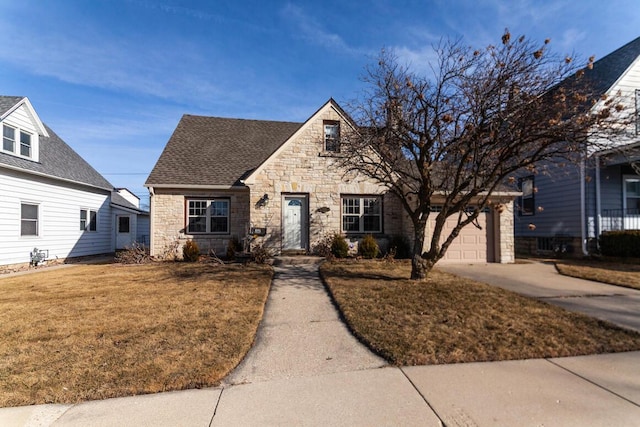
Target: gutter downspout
{"x": 598, "y": 202}
{"x": 583, "y": 214}
{"x": 151, "y": 220}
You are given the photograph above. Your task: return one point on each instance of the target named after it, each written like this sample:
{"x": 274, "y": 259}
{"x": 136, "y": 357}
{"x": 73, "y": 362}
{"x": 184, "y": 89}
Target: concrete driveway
{"x": 541, "y": 280}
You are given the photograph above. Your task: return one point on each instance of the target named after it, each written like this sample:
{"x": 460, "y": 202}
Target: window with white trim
{"x": 88, "y": 220}
{"x": 331, "y": 136}
{"x": 527, "y": 200}
{"x": 8, "y": 139}
{"x": 29, "y": 214}
{"x": 208, "y": 216}
{"x": 632, "y": 195}
{"x": 12, "y": 145}
{"x": 361, "y": 214}
{"x": 25, "y": 144}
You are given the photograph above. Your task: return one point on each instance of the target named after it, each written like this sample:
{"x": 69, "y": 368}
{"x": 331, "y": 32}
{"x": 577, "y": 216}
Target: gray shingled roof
{"x": 607, "y": 70}
{"x": 6, "y": 102}
{"x": 217, "y": 151}
{"x": 118, "y": 200}
{"x": 56, "y": 158}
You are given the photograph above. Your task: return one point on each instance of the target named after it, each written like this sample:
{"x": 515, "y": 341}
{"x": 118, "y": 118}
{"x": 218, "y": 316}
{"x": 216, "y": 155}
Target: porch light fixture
{"x": 264, "y": 200}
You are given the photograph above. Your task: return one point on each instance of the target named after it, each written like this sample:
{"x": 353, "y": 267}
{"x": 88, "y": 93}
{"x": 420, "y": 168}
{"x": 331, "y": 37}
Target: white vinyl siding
{"x": 58, "y": 217}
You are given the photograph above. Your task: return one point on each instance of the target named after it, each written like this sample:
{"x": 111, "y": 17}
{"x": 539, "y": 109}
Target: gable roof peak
{"x": 611, "y": 67}
{"x": 8, "y": 104}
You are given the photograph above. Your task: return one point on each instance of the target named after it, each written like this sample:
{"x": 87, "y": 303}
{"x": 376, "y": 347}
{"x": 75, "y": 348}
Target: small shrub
{"x": 339, "y": 246}
{"x": 233, "y": 247}
{"x": 400, "y": 247}
{"x": 323, "y": 246}
{"x": 369, "y": 248}
{"x": 620, "y": 243}
{"x": 190, "y": 251}
{"x": 260, "y": 254}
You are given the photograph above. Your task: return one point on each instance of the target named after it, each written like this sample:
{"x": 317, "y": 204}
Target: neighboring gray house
{"x": 570, "y": 207}
{"x": 51, "y": 198}
{"x": 219, "y": 179}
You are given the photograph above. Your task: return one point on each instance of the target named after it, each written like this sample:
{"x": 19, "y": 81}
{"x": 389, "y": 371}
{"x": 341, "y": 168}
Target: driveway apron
{"x": 301, "y": 333}
{"x": 541, "y": 280}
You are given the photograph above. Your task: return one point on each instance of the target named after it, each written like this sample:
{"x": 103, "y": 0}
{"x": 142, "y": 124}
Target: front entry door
{"x": 294, "y": 223}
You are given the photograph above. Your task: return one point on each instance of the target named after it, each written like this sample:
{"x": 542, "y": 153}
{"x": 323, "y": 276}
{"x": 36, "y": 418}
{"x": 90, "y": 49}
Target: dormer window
{"x": 8, "y": 139}
{"x": 10, "y": 144}
{"x": 25, "y": 144}
{"x": 331, "y": 136}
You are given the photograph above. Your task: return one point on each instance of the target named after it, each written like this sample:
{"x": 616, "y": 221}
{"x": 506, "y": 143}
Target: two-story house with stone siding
{"x": 219, "y": 179}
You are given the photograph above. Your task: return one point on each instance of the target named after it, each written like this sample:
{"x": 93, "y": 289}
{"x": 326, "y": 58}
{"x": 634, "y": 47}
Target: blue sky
{"x": 113, "y": 77}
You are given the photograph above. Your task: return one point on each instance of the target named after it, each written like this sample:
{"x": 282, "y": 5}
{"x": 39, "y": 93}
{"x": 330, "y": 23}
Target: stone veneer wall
{"x": 303, "y": 168}
{"x": 168, "y": 208}
{"x": 504, "y": 240}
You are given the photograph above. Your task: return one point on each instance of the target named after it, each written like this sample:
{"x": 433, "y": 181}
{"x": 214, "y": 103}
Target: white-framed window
{"x": 631, "y": 195}
{"x": 29, "y": 218}
{"x": 25, "y": 144}
{"x": 331, "y": 136}
{"x": 208, "y": 216}
{"x": 527, "y": 200}
{"x": 10, "y": 144}
{"x": 8, "y": 139}
{"x": 88, "y": 220}
{"x": 361, "y": 214}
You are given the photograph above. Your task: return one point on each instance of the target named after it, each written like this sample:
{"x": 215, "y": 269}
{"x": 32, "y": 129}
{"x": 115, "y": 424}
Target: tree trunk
{"x": 420, "y": 266}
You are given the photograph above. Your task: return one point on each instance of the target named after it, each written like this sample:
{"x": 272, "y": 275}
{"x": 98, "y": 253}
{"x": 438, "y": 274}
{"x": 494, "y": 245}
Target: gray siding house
{"x": 569, "y": 206}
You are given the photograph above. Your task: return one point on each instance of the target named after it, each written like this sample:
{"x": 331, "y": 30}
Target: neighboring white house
{"x": 52, "y": 199}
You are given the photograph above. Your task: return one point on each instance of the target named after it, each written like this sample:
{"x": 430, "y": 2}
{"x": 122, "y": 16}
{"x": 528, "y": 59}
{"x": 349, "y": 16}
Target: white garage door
{"x": 473, "y": 244}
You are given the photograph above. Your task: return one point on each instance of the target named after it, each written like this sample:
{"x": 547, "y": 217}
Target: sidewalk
{"x": 307, "y": 370}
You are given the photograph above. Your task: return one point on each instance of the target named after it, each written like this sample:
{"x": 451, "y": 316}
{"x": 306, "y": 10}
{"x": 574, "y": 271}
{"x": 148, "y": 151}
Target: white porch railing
{"x": 620, "y": 219}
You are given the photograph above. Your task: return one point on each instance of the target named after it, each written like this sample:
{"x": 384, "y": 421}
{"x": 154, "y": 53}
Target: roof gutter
{"x": 57, "y": 178}
{"x": 484, "y": 193}
{"x": 196, "y": 186}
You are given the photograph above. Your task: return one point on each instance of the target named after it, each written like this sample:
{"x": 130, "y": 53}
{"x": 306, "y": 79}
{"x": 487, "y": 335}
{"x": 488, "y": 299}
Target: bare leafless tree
{"x": 460, "y": 134}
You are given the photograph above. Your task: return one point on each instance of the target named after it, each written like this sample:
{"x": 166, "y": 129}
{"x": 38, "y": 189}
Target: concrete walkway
{"x": 306, "y": 370}
{"x": 301, "y": 334}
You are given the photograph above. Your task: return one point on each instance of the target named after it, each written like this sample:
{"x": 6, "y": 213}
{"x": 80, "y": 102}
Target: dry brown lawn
{"x": 614, "y": 273}
{"x": 449, "y": 319}
{"x": 100, "y": 331}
